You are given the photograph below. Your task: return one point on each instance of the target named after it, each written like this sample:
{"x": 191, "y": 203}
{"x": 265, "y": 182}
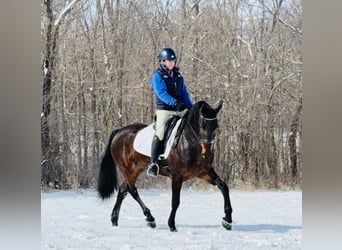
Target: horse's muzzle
{"x": 205, "y": 156}
{"x": 206, "y": 150}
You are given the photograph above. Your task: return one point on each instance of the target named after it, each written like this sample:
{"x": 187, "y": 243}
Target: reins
{"x": 201, "y": 139}
{"x": 182, "y": 114}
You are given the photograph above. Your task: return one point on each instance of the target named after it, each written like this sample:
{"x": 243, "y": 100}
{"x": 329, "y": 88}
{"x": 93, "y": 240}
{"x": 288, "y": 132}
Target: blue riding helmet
{"x": 167, "y": 54}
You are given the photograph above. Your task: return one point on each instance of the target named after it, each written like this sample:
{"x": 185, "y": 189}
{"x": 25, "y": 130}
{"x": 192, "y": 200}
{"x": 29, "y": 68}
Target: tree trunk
{"x": 195, "y": 52}
{"x": 293, "y": 140}
{"x": 46, "y": 105}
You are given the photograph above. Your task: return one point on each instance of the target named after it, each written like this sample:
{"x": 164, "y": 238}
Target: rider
{"x": 171, "y": 95}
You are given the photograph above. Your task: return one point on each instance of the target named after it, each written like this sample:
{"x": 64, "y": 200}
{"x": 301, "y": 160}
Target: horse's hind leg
{"x": 149, "y": 218}
{"x": 116, "y": 210}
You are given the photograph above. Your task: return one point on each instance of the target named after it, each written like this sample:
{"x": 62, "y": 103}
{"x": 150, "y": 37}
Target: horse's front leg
{"x": 176, "y": 188}
{"x": 227, "y": 220}
{"x": 214, "y": 179}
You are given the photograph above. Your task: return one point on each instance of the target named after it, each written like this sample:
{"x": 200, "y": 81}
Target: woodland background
{"x": 98, "y": 56}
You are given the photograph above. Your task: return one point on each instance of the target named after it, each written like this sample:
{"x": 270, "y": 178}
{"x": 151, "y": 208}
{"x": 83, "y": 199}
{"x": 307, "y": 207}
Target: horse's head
{"x": 207, "y": 123}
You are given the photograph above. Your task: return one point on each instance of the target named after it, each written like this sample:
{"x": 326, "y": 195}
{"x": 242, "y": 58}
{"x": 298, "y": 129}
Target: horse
{"x": 192, "y": 157}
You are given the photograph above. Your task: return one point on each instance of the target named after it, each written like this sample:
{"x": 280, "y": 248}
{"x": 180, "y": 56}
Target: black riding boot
{"x": 153, "y": 168}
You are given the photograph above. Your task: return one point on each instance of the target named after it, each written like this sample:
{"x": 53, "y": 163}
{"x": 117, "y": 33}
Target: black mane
{"x": 193, "y": 114}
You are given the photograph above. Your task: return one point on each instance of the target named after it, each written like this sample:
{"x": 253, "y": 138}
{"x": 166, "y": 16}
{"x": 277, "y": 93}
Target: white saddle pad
{"x": 143, "y": 140}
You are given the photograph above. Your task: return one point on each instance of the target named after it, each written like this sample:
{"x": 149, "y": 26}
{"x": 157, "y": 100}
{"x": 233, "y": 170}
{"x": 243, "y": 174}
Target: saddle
{"x": 143, "y": 140}
{"x": 170, "y": 125}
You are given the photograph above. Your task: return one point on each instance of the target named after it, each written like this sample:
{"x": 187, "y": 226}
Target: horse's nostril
{"x": 205, "y": 156}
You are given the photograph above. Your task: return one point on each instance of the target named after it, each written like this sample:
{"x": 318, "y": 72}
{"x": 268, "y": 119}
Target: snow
{"x": 261, "y": 220}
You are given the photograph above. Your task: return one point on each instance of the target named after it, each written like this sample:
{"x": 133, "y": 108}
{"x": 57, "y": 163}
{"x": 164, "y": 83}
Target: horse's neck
{"x": 190, "y": 135}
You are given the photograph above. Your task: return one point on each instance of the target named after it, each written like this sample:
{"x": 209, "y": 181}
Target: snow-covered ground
{"x": 262, "y": 220}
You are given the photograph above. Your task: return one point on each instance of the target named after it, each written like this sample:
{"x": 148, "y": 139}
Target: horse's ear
{"x": 219, "y": 106}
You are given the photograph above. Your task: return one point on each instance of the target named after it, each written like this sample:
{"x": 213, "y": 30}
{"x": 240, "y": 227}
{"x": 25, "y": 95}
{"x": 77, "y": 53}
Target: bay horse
{"x": 192, "y": 157}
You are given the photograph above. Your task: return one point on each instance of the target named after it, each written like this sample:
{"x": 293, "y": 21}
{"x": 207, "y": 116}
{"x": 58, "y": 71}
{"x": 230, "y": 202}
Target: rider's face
{"x": 170, "y": 64}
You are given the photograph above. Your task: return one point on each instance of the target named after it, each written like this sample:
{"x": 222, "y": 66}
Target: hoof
{"x": 114, "y": 221}
{"x": 151, "y": 224}
{"x": 172, "y": 225}
{"x": 173, "y": 229}
{"x": 227, "y": 225}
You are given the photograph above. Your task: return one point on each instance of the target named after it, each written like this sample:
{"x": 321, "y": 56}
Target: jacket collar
{"x": 165, "y": 70}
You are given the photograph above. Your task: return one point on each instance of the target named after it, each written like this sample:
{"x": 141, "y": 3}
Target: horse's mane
{"x": 193, "y": 114}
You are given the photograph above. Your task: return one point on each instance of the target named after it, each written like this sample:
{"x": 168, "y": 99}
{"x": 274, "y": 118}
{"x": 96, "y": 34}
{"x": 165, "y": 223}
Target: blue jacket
{"x": 169, "y": 89}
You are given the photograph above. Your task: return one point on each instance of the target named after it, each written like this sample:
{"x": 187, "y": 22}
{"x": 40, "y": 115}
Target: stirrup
{"x": 153, "y": 170}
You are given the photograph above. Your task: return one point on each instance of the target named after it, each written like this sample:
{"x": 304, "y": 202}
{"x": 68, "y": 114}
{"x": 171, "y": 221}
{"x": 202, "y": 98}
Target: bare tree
{"x": 97, "y": 64}
{"x": 52, "y": 25}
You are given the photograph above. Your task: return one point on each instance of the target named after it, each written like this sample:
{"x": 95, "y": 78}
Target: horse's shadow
{"x": 258, "y": 228}
{"x": 276, "y": 228}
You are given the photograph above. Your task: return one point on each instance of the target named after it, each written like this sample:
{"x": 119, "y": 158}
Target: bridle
{"x": 207, "y": 140}
{"x": 201, "y": 140}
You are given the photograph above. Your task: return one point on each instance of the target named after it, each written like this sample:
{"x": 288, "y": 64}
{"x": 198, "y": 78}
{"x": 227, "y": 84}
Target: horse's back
{"x": 127, "y": 133}
{"x": 123, "y": 140}
{"x": 133, "y": 128}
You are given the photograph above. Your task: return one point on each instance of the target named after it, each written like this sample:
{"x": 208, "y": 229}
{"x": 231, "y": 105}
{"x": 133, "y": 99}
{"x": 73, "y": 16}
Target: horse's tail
{"x": 107, "y": 181}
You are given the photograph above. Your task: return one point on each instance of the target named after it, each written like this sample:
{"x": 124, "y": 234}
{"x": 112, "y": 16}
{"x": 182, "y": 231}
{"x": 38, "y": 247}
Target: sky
{"x": 261, "y": 220}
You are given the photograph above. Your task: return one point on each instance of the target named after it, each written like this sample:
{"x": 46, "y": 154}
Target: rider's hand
{"x": 180, "y": 106}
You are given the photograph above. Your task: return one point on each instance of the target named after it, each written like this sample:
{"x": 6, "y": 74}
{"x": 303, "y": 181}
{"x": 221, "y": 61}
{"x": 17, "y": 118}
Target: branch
{"x": 290, "y": 26}
{"x": 248, "y": 45}
{"x": 196, "y": 2}
{"x": 277, "y": 85}
{"x": 64, "y": 12}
